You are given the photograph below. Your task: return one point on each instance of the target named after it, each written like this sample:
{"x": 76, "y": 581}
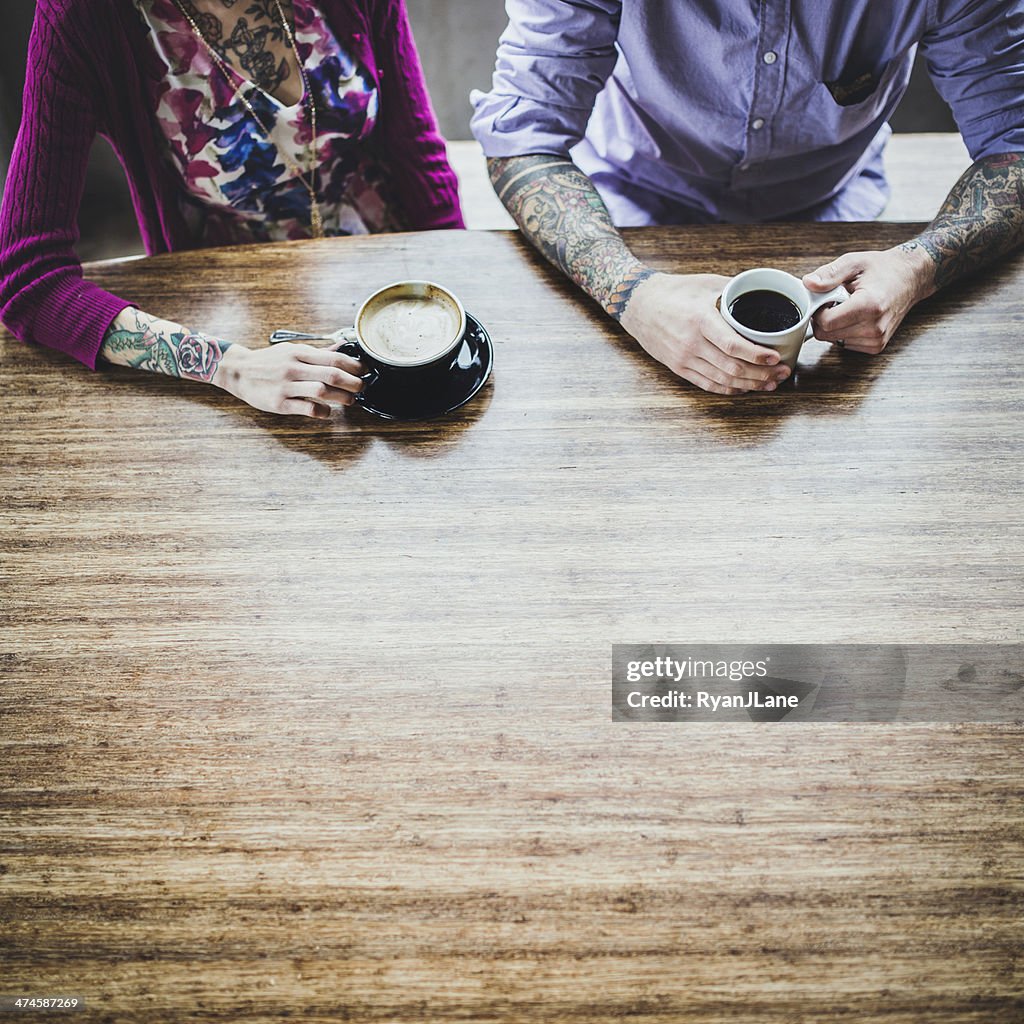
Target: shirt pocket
{"x": 845, "y": 114}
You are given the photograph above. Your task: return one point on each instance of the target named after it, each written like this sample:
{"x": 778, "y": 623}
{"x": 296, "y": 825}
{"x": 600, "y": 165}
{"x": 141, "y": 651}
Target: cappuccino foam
{"x": 409, "y": 330}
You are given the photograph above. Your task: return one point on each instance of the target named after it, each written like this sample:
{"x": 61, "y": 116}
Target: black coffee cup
{"x": 406, "y": 333}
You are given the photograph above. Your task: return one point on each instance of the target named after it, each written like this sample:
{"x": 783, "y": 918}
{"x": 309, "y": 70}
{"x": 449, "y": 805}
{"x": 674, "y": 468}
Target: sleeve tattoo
{"x": 561, "y": 213}
{"x": 981, "y": 219}
{"x": 144, "y": 342}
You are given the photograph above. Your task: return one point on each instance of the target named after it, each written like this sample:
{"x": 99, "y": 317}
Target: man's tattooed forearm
{"x": 145, "y": 343}
{"x": 981, "y": 220}
{"x": 561, "y": 213}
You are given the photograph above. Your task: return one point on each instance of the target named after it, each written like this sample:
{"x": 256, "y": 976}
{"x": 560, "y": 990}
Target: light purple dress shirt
{"x": 689, "y": 111}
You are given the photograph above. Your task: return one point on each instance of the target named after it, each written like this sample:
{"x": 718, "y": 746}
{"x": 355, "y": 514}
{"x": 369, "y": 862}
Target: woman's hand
{"x": 674, "y": 318}
{"x": 293, "y": 380}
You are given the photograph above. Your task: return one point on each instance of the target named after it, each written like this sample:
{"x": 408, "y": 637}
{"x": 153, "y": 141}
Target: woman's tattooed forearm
{"x": 561, "y": 213}
{"x": 143, "y": 342}
{"x": 981, "y": 220}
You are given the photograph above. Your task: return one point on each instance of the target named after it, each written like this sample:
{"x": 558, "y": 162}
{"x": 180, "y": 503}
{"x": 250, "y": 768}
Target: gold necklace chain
{"x": 316, "y": 218}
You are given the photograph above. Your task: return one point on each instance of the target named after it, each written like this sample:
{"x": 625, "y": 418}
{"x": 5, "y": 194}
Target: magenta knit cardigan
{"x": 88, "y": 65}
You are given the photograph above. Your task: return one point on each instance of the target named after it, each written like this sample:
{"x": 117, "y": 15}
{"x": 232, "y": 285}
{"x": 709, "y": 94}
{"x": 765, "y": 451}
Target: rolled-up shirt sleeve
{"x": 553, "y": 60}
{"x": 975, "y": 56}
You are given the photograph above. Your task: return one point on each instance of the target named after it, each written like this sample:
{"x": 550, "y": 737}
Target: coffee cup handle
{"x": 832, "y": 298}
{"x": 350, "y": 347}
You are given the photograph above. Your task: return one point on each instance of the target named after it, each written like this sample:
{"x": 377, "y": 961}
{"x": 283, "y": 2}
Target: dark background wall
{"x": 457, "y": 39}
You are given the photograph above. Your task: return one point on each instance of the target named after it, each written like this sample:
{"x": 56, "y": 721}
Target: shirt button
{"x": 771, "y": 57}
{"x": 757, "y": 124}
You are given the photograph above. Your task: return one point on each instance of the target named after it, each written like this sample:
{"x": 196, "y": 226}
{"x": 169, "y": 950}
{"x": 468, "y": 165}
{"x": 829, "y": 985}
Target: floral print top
{"x": 237, "y": 186}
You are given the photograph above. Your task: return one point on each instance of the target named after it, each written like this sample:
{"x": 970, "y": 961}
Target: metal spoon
{"x": 342, "y": 335}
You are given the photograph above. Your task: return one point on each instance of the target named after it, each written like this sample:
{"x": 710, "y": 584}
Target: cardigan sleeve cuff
{"x": 74, "y": 318}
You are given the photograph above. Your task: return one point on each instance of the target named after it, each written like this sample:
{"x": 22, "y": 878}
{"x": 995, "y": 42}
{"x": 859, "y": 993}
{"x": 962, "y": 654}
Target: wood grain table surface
{"x": 313, "y": 721}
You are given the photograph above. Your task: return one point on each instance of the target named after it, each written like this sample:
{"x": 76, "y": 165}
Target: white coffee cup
{"x": 789, "y": 342}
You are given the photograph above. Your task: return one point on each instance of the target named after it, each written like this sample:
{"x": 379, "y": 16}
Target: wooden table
{"x": 315, "y": 720}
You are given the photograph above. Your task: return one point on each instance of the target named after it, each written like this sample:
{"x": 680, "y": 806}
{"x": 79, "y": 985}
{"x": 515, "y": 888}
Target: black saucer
{"x": 441, "y": 394}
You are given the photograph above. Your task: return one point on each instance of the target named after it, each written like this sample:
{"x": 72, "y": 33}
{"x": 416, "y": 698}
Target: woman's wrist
{"x": 231, "y": 368}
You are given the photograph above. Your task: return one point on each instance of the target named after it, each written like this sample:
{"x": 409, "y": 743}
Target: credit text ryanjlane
{"x": 713, "y": 702}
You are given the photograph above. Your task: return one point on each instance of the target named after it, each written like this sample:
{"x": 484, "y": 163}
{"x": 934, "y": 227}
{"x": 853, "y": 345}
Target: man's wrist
{"x": 626, "y": 287}
{"x": 635, "y": 313}
{"x": 920, "y": 262}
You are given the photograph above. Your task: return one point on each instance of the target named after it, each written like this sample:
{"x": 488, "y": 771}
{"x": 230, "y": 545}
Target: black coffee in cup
{"x": 765, "y": 311}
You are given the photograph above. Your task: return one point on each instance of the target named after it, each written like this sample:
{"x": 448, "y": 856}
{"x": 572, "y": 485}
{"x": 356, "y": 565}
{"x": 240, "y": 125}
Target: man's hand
{"x": 675, "y": 319}
{"x": 883, "y": 287}
{"x": 981, "y": 220}
{"x": 672, "y": 316}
